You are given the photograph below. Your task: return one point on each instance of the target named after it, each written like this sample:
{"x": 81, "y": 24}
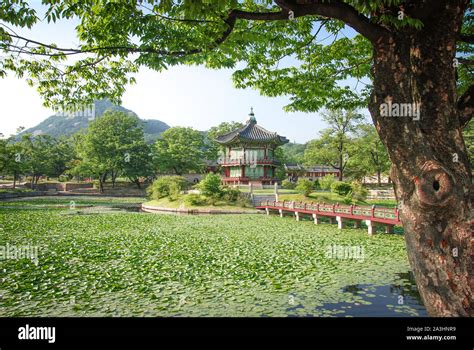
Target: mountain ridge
{"x": 68, "y": 123}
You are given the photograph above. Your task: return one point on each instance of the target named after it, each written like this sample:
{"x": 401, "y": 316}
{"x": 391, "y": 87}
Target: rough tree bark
{"x": 430, "y": 168}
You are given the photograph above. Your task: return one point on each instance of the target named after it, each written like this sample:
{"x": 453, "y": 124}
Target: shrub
{"x": 231, "y": 194}
{"x": 210, "y": 186}
{"x": 63, "y": 178}
{"x": 195, "y": 200}
{"x": 244, "y": 200}
{"x": 304, "y": 186}
{"x": 167, "y": 186}
{"x": 288, "y": 185}
{"x": 326, "y": 182}
{"x": 341, "y": 188}
{"x": 347, "y": 198}
{"x": 316, "y": 185}
{"x": 359, "y": 192}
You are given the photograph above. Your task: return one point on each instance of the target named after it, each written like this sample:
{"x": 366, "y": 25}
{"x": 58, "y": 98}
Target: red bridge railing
{"x": 373, "y": 213}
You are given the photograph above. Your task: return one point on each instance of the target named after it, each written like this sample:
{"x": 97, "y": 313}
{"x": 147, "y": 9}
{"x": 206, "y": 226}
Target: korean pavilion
{"x": 248, "y": 154}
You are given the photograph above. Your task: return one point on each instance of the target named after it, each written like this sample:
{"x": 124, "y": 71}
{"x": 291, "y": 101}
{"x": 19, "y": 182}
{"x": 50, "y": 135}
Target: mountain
{"x": 68, "y": 123}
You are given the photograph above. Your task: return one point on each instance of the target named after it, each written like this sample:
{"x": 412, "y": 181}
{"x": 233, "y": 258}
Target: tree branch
{"x": 339, "y": 10}
{"x": 465, "y": 106}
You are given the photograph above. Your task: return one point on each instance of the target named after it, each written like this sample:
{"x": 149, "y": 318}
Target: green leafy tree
{"x": 405, "y": 52}
{"x": 294, "y": 152}
{"x": 108, "y": 147}
{"x": 304, "y": 186}
{"x": 11, "y": 159}
{"x": 334, "y": 146}
{"x": 138, "y": 162}
{"x": 370, "y": 156}
{"x": 210, "y": 186}
{"x": 341, "y": 188}
{"x": 180, "y": 150}
{"x": 43, "y": 155}
{"x": 326, "y": 181}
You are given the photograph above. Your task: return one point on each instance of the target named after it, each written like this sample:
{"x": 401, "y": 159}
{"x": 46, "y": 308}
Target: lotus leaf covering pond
{"x": 137, "y": 264}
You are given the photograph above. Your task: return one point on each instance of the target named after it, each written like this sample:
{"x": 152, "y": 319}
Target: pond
{"x": 126, "y": 263}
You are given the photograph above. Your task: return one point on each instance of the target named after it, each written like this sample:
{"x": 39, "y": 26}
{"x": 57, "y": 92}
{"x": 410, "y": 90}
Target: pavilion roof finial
{"x": 252, "y": 118}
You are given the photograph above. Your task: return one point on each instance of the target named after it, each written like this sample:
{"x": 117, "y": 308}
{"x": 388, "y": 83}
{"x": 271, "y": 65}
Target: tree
{"x": 138, "y": 162}
{"x": 404, "y": 50}
{"x": 43, "y": 155}
{"x": 326, "y": 182}
{"x": 11, "y": 159}
{"x": 370, "y": 156}
{"x": 304, "y": 186}
{"x": 334, "y": 145}
{"x": 210, "y": 186}
{"x": 294, "y": 152}
{"x": 111, "y": 144}
{"x": 180, "y": 150}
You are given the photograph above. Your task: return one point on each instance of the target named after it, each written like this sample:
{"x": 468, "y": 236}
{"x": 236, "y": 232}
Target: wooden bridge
{"x": 372, "y": 216}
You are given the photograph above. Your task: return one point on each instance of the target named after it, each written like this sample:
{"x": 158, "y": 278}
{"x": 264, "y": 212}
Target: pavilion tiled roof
{"x": 251, "y": 132}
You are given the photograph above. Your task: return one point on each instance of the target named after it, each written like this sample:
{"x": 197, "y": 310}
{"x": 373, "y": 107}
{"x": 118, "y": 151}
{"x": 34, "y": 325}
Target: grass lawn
{"x": 16, "y": 190}
{"x": 180, "y": 203}
{"x": 137, "y": 264}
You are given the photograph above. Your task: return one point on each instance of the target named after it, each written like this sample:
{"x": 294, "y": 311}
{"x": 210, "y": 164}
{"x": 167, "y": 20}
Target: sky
{"x": 181, "y": 96}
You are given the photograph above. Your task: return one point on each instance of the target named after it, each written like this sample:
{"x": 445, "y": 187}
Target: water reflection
{"x": 400, "y": 299}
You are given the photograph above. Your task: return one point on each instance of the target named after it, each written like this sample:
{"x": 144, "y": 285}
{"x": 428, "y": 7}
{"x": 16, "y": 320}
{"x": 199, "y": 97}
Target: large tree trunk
{"x": 430, "y": 168}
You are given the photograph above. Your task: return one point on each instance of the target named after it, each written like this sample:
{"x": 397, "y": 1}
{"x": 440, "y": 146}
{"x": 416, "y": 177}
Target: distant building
{"x": 248, "y": 155}
{"x": 295, "y": 171}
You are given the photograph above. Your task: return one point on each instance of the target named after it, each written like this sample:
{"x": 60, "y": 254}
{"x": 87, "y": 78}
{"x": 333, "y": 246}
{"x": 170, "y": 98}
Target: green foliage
{"x": 326, "y": 181}
{"x": 359, "y": 192}
{"x": 280, "y": 155}
{"x": 369, "y": 156}
{"x": 317, "y": 185}
{"x": 231, "y": 194}
{"x": 112, "y": 144}
{"x": 168, "y": 33}
{"x": 195, "y": 200}
{"x": 304, "y": 186}
{"x": 35, "y": 156}
{"x": 180, "y": 150}
{"x": 210, "y": 186}
{"x": 341, "y": 188}
{"x": 288, "y": 185}
{"x": 167, "y": 186}
{"x": 294, "y": 152}
{"x": 334, "y": 147}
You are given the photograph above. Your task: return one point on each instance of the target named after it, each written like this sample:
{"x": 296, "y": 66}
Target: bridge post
{"x": 267, "y": 211}
{"x": 370, "y": 227}
{"x": 339, "y": 222}
{"x": 315, "y": 217}
{"x": 388, "y": 228}
{"x": 297, "y": 215}
{"x": 281, "y": 212}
